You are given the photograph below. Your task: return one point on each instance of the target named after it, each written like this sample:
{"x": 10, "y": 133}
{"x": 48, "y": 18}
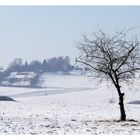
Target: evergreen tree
{"x": 44, "y": 65}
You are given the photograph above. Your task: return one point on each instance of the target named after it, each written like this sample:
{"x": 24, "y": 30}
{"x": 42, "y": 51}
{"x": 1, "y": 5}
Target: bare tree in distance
{"x": 114, "y": 58}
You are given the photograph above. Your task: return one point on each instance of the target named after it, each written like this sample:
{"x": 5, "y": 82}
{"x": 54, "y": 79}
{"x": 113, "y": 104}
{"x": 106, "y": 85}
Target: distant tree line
{"x": 54, "y": 64}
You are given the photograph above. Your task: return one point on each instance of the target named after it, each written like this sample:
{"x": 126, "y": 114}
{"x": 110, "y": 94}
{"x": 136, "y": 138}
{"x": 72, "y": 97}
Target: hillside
{"x": 68, "y": 105}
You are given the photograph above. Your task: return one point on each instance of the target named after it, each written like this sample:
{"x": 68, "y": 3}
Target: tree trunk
{"x": 122, "y": 110}
{"x": 121, "y": 104}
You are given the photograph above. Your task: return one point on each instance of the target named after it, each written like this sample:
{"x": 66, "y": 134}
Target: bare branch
{"x": 114, "y": 55}
{"x": 91, "y": 66}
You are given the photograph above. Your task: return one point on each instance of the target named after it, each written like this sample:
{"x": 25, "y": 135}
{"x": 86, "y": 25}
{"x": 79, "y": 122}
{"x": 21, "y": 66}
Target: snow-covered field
{"x": 68, "y": 105}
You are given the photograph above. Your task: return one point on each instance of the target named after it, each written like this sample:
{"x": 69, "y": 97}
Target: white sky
{"x": 38, "y": 32}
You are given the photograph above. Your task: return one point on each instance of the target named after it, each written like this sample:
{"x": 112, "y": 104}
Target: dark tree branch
{"x": 100, "y": 70}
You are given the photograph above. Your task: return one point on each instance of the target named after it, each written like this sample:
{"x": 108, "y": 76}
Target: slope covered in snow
{"x": 68, "y": 105}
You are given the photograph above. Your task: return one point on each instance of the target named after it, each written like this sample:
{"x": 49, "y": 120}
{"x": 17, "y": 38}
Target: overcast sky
{"x": 43, "y": 32}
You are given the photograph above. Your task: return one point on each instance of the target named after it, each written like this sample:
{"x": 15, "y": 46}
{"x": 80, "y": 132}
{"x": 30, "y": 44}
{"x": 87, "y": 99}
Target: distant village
{"x": 24, "y": 74}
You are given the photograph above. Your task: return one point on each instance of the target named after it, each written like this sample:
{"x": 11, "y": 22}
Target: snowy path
{"x": 46, "y": 91}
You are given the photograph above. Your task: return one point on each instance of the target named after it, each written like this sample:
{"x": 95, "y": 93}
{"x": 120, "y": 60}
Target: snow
{"x": 68, "y": 105}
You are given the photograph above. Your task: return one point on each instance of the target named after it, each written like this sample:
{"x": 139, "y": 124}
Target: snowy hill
{"x": 68, "y": 105}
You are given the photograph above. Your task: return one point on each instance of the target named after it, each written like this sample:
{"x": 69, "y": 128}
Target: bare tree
{"x": 112, "y": 57}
